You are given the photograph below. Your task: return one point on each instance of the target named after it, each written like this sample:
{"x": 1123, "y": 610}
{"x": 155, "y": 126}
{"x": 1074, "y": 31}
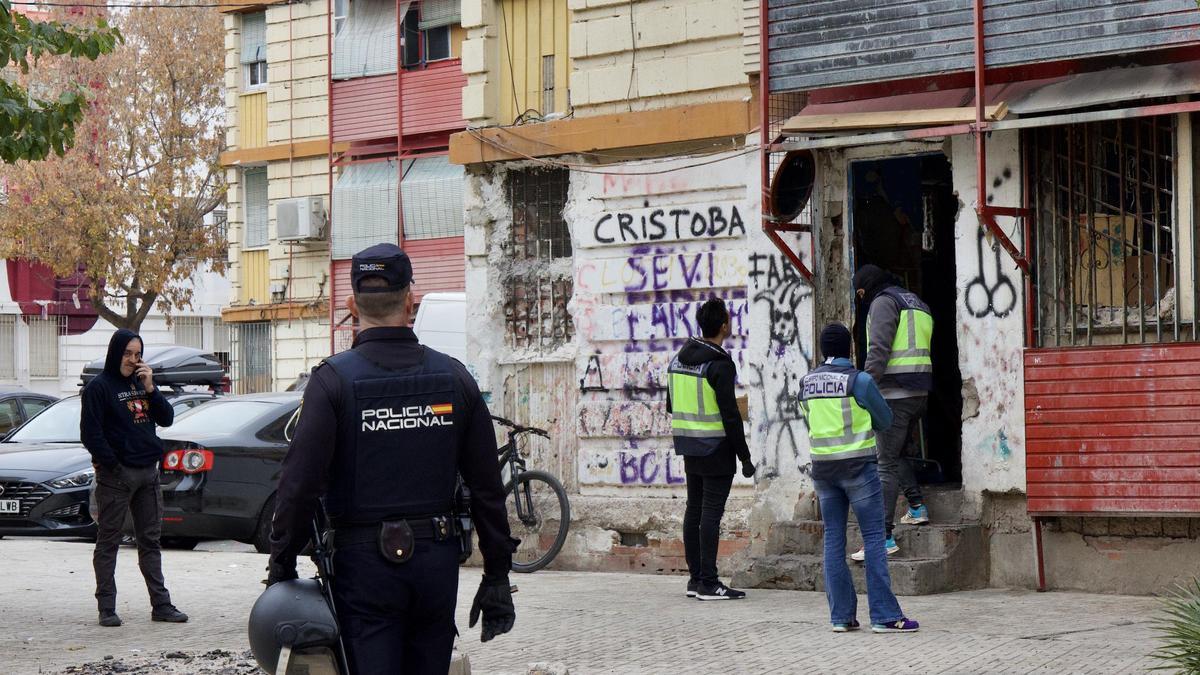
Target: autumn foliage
{"x": 129, "y": 200}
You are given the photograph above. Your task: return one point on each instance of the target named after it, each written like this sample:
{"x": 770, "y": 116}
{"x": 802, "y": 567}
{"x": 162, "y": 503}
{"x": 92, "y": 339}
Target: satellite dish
{"x": 792, "y": 185}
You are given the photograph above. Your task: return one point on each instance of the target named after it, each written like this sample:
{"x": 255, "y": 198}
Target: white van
{"x": 441, "y": 323}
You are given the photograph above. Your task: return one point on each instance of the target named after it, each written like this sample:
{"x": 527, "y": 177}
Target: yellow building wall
{"x": 530, "y": 30}
{"x": 255, "y": 277}
{"x": 252, "y": 120}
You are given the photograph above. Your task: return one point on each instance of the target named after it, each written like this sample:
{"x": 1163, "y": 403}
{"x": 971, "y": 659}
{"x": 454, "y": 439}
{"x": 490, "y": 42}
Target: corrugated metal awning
{"x": 1035, "y": 103}
{"x": 364, "y": 207}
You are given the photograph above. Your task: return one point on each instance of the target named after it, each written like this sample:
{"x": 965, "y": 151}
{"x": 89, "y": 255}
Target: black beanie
{"x": 835, "y": 341}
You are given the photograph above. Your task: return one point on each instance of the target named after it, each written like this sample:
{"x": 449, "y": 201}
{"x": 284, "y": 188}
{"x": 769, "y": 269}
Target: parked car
{"x": 17, "y": 405}
{"x": 45, "y": 471}
{"x": 221, "y": 469}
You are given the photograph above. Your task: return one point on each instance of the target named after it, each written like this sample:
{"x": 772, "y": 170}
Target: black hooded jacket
{"x": 118, "y": 419}
{"x": 873, "y": 280}
{"x": 722, "y": 375}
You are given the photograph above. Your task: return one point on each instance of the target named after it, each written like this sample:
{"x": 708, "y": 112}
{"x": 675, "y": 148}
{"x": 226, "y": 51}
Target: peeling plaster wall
{"x": 650, "y": 243}
{"x": 990, "y": 324}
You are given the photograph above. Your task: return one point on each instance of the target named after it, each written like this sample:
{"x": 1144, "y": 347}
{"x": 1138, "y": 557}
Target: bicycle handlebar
{"x": 519, "y": 428}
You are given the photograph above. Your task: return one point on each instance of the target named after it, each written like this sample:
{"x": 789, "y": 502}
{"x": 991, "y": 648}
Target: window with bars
{"x": 8, "y": 346}
{"x": 222, "y": 342}
{"x": 536, "y": 313}
{"x": 254, "y": 206}
{"x": 189, "y": 331}
{"x": 1105, "y": 237}
{"x": 252, "y": 357}
{"x": 43, "y": 346}
{"x": 538, "y": 197}
{"x": 254, "y": 50}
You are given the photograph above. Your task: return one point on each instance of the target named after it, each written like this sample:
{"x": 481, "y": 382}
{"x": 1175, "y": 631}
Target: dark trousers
{"x": 895, "y": 471}
{"x": 397, "y": 618}
{"x": 137, "y": 492}
{"x": 706, "y": 497}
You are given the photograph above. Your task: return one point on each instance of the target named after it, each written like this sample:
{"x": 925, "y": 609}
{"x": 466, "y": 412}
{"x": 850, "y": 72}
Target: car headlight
{"x": 79, "y": 479}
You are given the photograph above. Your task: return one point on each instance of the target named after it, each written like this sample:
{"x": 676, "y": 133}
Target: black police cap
{"x": 386, "y": 261}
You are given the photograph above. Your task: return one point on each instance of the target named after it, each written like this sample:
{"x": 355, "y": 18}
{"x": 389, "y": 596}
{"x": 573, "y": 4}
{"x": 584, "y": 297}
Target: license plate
{"x": 10, "y": 506}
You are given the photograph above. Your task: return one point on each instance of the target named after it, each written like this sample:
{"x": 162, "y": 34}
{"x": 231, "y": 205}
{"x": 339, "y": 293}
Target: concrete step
{"x": 805, "y": 537}
{"x": 910, "y": 576}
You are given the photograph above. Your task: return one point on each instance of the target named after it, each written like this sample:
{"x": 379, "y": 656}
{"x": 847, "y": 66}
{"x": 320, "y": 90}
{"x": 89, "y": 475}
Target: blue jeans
{"x": 863, "y": 491}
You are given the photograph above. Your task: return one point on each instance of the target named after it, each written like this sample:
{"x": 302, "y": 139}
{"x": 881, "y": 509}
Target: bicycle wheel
{"x": 542, "y": 525}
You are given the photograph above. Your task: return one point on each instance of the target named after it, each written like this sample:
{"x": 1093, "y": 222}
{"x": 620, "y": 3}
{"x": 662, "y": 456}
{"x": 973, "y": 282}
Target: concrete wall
{"x": 647, "y": 250}
{"x": 676, "y": 52}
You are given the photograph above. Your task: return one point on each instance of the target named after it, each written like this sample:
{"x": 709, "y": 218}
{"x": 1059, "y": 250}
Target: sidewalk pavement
{"x": 590, "y": 622}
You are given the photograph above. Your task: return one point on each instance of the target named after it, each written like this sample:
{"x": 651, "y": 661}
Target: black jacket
{"x": 722, "y": 376}
{"x": 118, "y": 417}
{"x": 308, "y": 461}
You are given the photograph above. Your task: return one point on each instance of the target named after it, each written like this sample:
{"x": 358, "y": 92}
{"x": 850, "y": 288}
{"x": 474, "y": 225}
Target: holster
{"x": 396, "y": 540}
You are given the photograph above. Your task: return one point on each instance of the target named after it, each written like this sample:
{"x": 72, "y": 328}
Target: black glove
{"x": 747, "y": 469}
{"x": 494, "y": 599}
{"x": 279, "y": 571}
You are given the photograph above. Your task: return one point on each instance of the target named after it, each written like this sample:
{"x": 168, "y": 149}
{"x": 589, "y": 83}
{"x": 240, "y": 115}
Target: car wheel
{"x": 180, "y": 543}
{"x": 262, "y": 535}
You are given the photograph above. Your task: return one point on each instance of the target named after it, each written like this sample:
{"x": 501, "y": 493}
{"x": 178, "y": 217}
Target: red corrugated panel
{"x": 438, "y": 265}
{"x": 1112, "y": 430}
{"x": 433, "y": 98}
{"x": 364, "y": 108}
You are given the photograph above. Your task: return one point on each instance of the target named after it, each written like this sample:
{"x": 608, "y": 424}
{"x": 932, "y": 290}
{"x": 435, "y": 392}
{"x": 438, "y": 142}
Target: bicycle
{"x": 538, "y": 511}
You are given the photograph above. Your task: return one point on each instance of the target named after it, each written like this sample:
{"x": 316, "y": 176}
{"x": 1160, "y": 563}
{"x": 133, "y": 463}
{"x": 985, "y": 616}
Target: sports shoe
{"x": 846, "y": 627}
{"x": 692, "y": 586}
{"x": 109, "y": 618}
{"x": 891, "y": 546}
{"x": 915, "y": 516}
{"x": 901, "y": 626}
{"x": 168, "y": 613}
{"x": 718, "y": 591}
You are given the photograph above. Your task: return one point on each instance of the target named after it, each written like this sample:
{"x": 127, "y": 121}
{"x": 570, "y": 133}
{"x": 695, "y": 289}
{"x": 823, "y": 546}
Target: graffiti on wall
{"x": 651, "y": 224}
{"x": 663, "y": 270}
{"x": 778, "y": 291}
{"x": 997, "y": 297}
{"x": 635, "y": 463}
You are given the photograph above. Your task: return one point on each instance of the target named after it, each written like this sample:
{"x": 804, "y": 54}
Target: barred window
{"x": 252, "y": 358}
{"x": 43, "y": 346}
{"x": 536, "y": 315}
{"x": 1105, "y": 239}
{"x": 538, "y": 197}
{"x": 8, "y": 346}
{"x": 189, "y": 331}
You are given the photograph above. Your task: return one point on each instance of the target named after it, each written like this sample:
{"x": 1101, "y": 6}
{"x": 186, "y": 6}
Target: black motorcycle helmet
{"x": 290, "y": 614}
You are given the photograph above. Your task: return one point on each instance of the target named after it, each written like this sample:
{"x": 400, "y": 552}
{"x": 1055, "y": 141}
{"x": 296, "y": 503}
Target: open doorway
{"x": 903, "y": 211}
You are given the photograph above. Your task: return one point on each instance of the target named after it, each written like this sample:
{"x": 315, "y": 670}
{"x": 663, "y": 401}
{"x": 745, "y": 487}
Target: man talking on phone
{"x": 121, "y": 408}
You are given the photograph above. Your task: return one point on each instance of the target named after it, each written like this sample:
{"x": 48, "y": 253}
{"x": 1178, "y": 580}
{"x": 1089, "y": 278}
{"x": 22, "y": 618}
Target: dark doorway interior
{"x": 903, "y": 212}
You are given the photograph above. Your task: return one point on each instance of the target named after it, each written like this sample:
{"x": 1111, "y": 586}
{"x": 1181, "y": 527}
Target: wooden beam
{"x": 282, "y": 311}
{"x": 275, "y": 152}
{"x": 933, "y": 117}
{"x": 235, "y": 7}
{"x": 604, "y": 132}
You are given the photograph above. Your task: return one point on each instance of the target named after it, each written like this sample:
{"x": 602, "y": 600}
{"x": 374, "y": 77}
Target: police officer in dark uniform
{"x": 385, "y": 428}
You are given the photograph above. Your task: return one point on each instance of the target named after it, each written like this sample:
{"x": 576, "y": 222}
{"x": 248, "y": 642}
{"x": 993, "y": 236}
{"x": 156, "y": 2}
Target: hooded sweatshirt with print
{"x": 117, "y": 424}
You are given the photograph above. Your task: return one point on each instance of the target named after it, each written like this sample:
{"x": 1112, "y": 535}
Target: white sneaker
{"x": 917, "y": 516}
{"x": 891, "y": 546}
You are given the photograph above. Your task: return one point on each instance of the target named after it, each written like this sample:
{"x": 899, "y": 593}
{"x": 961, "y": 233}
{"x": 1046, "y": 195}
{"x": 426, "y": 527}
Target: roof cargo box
{"x": 174, "y": 366}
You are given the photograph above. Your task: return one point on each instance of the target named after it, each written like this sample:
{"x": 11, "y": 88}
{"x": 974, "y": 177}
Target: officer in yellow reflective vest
{"x": 843, "y": 409}
{"x": 899, "y": 329}
{"x": 707, "y": 429}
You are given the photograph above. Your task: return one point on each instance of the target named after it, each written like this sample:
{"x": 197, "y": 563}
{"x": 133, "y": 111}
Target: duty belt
{"x": 437, "y": 528}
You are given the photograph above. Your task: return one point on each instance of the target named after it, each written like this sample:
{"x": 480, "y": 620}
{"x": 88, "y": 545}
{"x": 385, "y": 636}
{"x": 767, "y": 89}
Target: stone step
{"x": 806, "y": 537}
{"x": 910, "y": 576}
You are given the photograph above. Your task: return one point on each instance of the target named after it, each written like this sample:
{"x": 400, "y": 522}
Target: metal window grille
{"x": 1105, "y": 233}
{"x": 547, "y": 84}
{"x": 220, "y": 223}
{"x": 538, "y": 197}
{"x": 536, "y": 313}
{"x": 254, "y": 206}
{"x": 8, "y": 346}
{"x": 252, "y": 358}
{"x": 222, "y": 341}
{"x": 43, "y": 346}
{"x": 189, "y": 331}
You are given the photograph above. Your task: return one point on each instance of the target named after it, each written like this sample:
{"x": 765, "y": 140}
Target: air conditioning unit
{"x": 301, "y": 219}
